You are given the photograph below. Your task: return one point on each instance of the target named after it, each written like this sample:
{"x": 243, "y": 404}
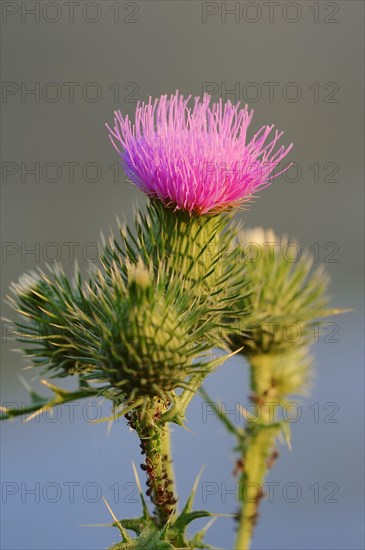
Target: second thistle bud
{"x": 147, "y": 352}
{"x": 284, "y": 296}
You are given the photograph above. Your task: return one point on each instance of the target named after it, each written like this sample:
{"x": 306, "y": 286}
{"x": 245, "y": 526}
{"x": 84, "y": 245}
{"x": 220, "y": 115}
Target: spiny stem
{"x": 155, "y": 445}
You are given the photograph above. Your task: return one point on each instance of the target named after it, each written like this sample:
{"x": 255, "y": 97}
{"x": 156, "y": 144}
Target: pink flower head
{"x": 196, "y": 158}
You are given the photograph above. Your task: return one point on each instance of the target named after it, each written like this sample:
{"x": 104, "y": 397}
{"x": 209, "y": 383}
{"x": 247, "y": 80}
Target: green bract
{"x": 198, "y": 251}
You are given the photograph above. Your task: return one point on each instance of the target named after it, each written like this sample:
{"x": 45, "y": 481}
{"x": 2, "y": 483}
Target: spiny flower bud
{"x": 147, "y": 350}
{"x": 147, "y": 334}
{"x": 141, "y": 333}
{"x": 284, "y": 295}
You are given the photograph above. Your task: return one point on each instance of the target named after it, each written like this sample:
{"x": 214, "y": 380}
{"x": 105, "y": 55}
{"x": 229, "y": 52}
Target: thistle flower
{"x": 196, "y": 158}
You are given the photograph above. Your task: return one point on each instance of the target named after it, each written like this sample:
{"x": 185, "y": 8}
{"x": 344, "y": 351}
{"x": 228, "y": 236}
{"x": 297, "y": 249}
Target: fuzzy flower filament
{"x": 196, "y": 158}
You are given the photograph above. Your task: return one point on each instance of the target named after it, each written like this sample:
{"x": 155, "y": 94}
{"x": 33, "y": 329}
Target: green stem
{"x": 251, "y": 484}
{"x": 257, "y": 447}
{"x": 168, "y": 460}
{"x": 158, "y": 465}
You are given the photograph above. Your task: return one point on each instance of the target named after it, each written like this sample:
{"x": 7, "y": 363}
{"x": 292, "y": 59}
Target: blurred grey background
{"x": 300, "y": 66}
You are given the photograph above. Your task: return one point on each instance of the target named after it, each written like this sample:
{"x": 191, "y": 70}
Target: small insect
{"x": 260, "y": 494}
{"x": 239, "y": 467}
{"x": 254, "y": 518}
{"x": 272, "y": 458}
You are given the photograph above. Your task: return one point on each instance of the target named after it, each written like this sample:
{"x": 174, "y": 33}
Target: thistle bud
{"x": 284, "y": 296}
{"x": 147, "y": 350}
